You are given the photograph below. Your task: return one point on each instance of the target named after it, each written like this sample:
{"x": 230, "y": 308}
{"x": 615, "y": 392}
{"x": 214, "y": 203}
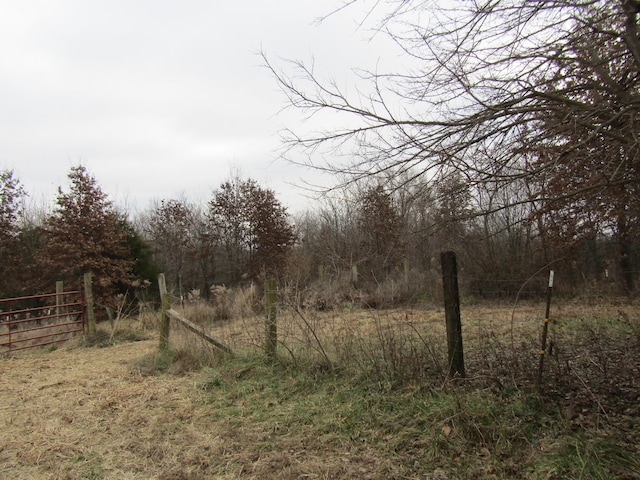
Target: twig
{"x": 315, "y": 336}
{"x": 584, "y": 384}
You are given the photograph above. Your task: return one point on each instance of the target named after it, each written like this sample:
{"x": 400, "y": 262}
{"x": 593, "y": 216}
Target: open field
{"x": 336, "y": 404}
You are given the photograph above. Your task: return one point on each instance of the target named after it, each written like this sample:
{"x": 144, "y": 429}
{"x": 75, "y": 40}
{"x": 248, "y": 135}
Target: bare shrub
{"x": 235, "y": 302}
{"x": 392, "y": 292}
{"x": 385, "y": 345}
{"x": 395, "y": 351}
{"x": 319, "y": 297}
{"x": 220, "y": 300}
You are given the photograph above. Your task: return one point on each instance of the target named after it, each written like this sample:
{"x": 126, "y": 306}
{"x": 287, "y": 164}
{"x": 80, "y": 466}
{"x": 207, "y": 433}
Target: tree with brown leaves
{"x": 11, "y": 194}
{"x": 252, "y": 228}
{"x": 85, "y": 234}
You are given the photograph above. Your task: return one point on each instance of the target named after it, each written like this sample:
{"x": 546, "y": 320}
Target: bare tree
{"x": 167, "y": 226}
{"x": 499, "y": 91}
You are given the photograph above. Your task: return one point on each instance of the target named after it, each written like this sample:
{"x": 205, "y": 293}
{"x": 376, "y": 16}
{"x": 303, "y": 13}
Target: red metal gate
{"x": 39, "y": 320}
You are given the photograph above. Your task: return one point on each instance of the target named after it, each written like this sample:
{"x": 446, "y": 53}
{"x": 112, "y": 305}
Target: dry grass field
{"x": 83, "y": 413}
{"x": 86, "y": 413}
{"x": 331, "y": 406}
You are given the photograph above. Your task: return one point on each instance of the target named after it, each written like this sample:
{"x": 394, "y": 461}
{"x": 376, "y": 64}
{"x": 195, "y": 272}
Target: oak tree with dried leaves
{"x": 85, "y": 233}
{"x": 11, "y": 195}
{"x": 253, "y": 230}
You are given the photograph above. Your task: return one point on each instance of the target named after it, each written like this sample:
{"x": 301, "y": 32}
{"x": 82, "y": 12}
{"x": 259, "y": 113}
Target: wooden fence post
{"x": 59, "y": 296}
{"x": 452, "y": 313}
{"x": 270, "y": 299}
{"x": 165, "y": 304}
{"x": 88, "y": 298}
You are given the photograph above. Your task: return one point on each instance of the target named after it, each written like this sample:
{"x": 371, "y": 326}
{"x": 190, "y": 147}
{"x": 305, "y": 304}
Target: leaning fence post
{"x": 452, "y": 313}
{"x": 88, "y": 296}
{"x": 271, "y": 323}
{"x": 545, "y": 328}
{"x": 165, "y": 304}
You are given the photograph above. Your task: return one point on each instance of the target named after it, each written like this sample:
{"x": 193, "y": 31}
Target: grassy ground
{"x": 351, "y": 394}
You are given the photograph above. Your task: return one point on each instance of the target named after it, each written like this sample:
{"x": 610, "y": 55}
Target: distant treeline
{"x": 379, "y": 240}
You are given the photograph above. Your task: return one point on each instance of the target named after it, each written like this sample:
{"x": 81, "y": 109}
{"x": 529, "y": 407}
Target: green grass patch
{"x": 90, "y": 467}
{"x": 462, "y": 431}
{"x": 103, "y": 339}
{"x": 170, "y": 361}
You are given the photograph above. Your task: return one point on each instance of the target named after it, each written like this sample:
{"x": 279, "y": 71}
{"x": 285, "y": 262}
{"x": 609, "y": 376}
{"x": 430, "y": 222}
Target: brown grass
{"x": 84, "y": 413}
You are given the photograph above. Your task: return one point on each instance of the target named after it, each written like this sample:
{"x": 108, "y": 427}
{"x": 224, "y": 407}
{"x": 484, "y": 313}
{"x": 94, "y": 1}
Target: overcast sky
{"x": 158, "y": 98}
